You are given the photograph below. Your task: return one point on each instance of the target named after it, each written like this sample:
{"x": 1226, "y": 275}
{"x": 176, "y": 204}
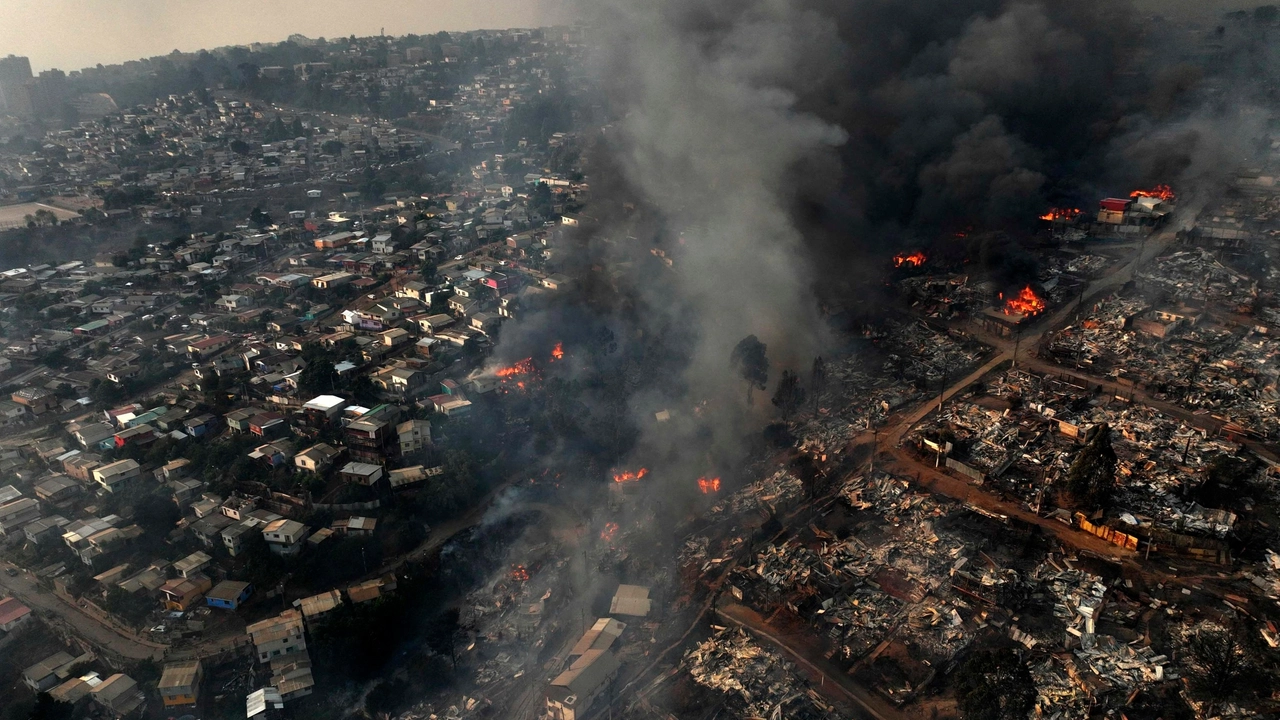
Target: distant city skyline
{"x": 73, "y": 34}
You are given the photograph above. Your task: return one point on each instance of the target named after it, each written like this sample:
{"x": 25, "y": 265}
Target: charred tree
{"x": 750, "y": 362}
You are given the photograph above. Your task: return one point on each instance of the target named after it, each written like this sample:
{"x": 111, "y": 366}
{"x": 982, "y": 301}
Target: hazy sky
{"x": 71, "y": 34}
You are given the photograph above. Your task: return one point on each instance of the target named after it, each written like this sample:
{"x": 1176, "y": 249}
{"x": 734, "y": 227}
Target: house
{"x": 192, "y": 564}
{"x": 228, "y": 594}
{"x": 180, "y": 683}
{"x": 291, "y": 675}
{"x": 45, "y": 528}
{"x": 13, "y": 614}
{"x": 316, "y": 606}
{"x": 274, "y": 454}
{"x": 369, "y": 440}
{"x": 278, "y": 635}
{"x": 323, "y": 409}
{"x": 361, "y": 473}
{"x": 81, "y": 467}
{"x": 115, "y": 475}
{"x": 415, "y": 435}
{"x": 208, "y": 529}
{"x": 44, "y": 675}
{"x": 235, "y": 536}
{"x": 317, "y": 458}
{"x": 57, "y": 489}
{"x": 183, "y": 593}
{"x": 268, "y": 424}
{"x": 630, "y": 600}
{"x": 140, "y": 434}
{"x": 266, "y": 703}
{"x": 572, "y": 691}
{"x": 235, "y": 302}
{"x": 37, "y": 401}
{"x": 238, "y": 420}
{"x": 356, "y": 526}
{"x": 382, "y": 244}
{"x": 435, "y": 323}
{"x": 285, "y": 537}
{"x": 119, "y": 695}
{"x": 600, "y": 636}
{"x": 394, "y": 338}
{"x": 16, "y": 514}
{"x": 201, "y": 425}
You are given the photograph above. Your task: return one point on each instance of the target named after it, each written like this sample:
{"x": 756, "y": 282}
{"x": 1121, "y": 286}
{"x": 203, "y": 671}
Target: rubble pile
{"x": 1195, "y": 274}
{"x": 923, "y": 355}
{"x": 1058, "y": 697}
{"x": 758, "y": 683}
{"x": 778, "y": 491}
{"x": 1027, "y": 449}
{"x": 850, "y": 402}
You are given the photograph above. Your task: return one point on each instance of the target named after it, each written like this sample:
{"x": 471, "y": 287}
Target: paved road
{"x": 26, "y": 590}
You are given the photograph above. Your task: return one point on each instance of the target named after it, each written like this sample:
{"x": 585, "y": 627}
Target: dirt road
{"x": 24, "y": 587}
{"x": 833, "y": 682}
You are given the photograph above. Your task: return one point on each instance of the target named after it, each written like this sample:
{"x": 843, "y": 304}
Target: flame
{"x": 1163, "y": 192}
{"x": 1025, "y": 302}
{"x": 609, "y": 532}
{"x": 519, "y": 573}
{"x": 557, "y": 353}
{"x": 630, "y": 476}
{"x": 709, "y": 485}
{"x": 911, "y": 259}
{"x": 524, "y": 367}
{"x": 1066, "y": 214}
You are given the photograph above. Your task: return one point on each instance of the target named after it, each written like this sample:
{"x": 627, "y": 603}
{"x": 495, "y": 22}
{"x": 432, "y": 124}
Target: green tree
{"x": 319, "y": 376}
{"x": 1091, "y": 481}
{"x": 259, "y": 218}
{"x": 995, "y": 685}
{"x": 49, "y": 709}
{"x": 748, "y": 359}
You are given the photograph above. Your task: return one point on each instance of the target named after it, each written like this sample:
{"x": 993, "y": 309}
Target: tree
{"x": 817, "y": 379}
{"x": 995, "y": 685}
{"x": 319, "y": 376}
{"x": 789, "y": 395}
{"x": 49, "y": 709}
{"x": 259, "y": 218}
{"x": 748, "y": 359}
{"x": 1092, "y": 477}
{"x": 1223, "y": 663}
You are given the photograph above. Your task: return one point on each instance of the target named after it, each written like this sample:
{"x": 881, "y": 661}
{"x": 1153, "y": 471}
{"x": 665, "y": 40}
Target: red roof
{"x": 12, "y": 610}
{"x": 1116, "y": 204}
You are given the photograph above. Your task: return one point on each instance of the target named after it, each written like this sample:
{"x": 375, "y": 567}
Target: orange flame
{"x": 524, "y": 367}
{"x": 911, "y": 259}
{"x": 1025, "y": 303}
{"x": 609, "y": 532}
{"x": 1163, "y": 192}
{"x": 630, "y": 476}
{"x": 1065, "y": 214}
{"x": 519, "y": 573}
{"x": 557, "y": 353}
{"x": 709, "y": 485}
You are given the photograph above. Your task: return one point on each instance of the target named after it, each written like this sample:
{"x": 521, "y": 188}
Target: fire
{"x": 1065, "y": 214}
{"x": 709, "y": 485}
{"x": 557, "y": 353}
{"x": 609, "y": 532}
{"x": 630, "y": 476}
{"x": 524, "y": 367}
{"x": 519, "y": 573}
{"x": 911, "y": 259}
{"x": 1025, "y": 302}
{"x": 1163, "y": 192}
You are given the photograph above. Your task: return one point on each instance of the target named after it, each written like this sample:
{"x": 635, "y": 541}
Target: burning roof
{"x": 1025, "y": 303}
{"x": 911, "y": 259}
